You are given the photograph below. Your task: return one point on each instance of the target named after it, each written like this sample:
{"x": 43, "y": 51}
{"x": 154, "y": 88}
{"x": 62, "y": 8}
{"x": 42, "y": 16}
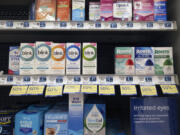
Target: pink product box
{"x": 143, "y": 10}
{"x": 106, "y": 12}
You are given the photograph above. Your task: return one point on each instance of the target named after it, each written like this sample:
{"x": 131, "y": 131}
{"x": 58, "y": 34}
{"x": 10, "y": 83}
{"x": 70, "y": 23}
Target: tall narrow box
{"x": 73, "y": 58}
{"x": 27, "y": 58}
{"x": 63, "y": 10}
{"x": 106, "y": 12}
{"x": 160, "y": 10}
{"x": 58, "y": 55}
{"x": 75, "y": 118}
{"x": 94, "y": 11}
{"x": 43, "y": 57}
{"x": 78, "y": 10}
{"x": 89, "y": 58}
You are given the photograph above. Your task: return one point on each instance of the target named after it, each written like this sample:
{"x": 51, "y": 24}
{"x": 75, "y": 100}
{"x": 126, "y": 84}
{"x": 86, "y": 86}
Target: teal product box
{"x": 40, "y": 107}
{"x": 124, "y": 60}
{"x": 144, "y": 60}
{"x": 94, "y": 119}
{"x": 75, "y": 118}
{"x": 56, "y": 121}
{"x": 78, "y": 10}
{"x": 14, "y": 56}
{"x": 29, "y": 122}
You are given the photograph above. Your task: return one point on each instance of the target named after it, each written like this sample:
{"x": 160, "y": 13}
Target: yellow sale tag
{"x": 128, "y": 90}
{"x": 35, "y": 90}
{"x": 72, "y": 88}
{"x": 18, "y": 90}
{"x": 89, "y": 89}
{"x": 148, "y": 90}
{"x": 169, "y": 89}
{"x": 106, "y": 90}
{"x": 52, "y": 91}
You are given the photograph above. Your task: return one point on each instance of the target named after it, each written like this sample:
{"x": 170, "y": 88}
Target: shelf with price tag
{"x": 35, "y": 90}
{"x": 53, "y": 91}
{"x": 169, "y": 89}
{"x": 18, "y": 90}
{"x": 148, "y": 90}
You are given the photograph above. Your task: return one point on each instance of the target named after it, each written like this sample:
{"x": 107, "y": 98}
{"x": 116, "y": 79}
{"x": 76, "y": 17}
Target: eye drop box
{"x": 143, "y": 10}
{"x": 144, "y": 61}
{"x": 122, "y": 10}
{"x": 73, "y": 58}
{"x": 29, "y": 122}
{"x": 94, "y": 11}
{"x": 56, "y": 122}
{"x": 58, "y": 55}
{"x": 94, "y": 119}
{"x": 124, "y": 60}
{"x": 43, "y": 57}
{"x": 14, "y": 60}
{"x": 160, "y": 10}
{"x": 106, "y": 12}
{"x": 78, "y": 10}
{"x": 163, "y": 60}
{"x": 89, "y": 58}
{"x": 63, "y": 10}
{"x": 75, "y": 118}
{"x": 27, "y": 58}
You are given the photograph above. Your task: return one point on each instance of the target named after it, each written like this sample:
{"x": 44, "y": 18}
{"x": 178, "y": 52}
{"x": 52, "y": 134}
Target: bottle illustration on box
{"x": 168, "y": 66}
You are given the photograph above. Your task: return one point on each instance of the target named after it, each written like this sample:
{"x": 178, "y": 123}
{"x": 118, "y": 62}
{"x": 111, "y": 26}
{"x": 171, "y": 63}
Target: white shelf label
{"x": 98, "y": 25}
{"x": 2, "y": 24}
{"x": 113, "y": 25}
{"x": 165, "y": 80}
{"x": 146, "y": 80}
{"x": 126, "y": 80}
{"x": 3, "y": 80}
{"x": 89, "y": 79}
{"x": 10, "y": 80}
{"x": 9, "y": 24}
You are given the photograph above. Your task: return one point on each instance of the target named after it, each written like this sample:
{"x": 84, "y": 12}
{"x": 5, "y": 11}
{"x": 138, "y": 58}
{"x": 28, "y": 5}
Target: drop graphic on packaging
{"x": 130, "y": 66}
{"x": 149, "y": 66}
{"x": 94, "y": 120}
{"x": 168, "y": 66}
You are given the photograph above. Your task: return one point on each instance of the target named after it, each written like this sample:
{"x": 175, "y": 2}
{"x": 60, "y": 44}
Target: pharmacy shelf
{"x": 87, "y": 26}
{"x": 106, "y": 79}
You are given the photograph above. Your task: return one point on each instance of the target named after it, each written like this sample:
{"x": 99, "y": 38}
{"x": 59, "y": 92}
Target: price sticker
{"x": 128, "y": 90}
{"x": 169, "y": 89}
{"x": 18, "y": 90}
{"x": 35, "y": 90}
{"x": 72, "y": 88}
{"x": 53, "y": 91}
{"x": 89, "y": 89}
{"x": 148, "y": 90}
{"x": 106, "y": 90}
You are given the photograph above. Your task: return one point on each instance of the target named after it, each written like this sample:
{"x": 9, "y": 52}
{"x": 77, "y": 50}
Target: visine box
{"x": 63, "y": 10}
{"x": 27, "y": 58}
{"x": 73, "y": 58}
{"x": 94, "y": 11}
{"x": 94, "y": 119}
{"x": 75, "y": 118}
{"x": 43, "y": 57}
{"x": 58, "y": 55}
{"x": 122, "y": 10}
{"x": 89, "y": 58}
{"x": 163, "y": 60}
{"x": 144, "y": 61}
{"x": 160, "y": 10}
{"x": 14, "y": 60}
{"x": 78, "y": 10}
{"x": 106, "y": 10}
{"x": 143, "y": 10}
{"x": 29, "y": 122}
{"x": 124, "y": 60}
{"x": 56, "y": 121}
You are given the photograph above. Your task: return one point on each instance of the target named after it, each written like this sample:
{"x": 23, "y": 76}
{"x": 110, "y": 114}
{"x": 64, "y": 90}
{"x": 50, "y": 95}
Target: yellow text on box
{"x": 18, "y": 90}
{"x": 52, "y": 91}
{"x": 148, "y": 90}
{"x": 169, "y": 89}
{"x": 106, "y": 90}
{"x": 89, "y": 89}
{"x": 35, "y": 90}
{"x": 72, "y": 88}
{"x": 128, "y": 90}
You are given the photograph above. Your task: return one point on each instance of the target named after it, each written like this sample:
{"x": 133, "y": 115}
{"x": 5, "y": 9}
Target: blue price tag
{"x": 80, "y": 25}
{"x": 129, "y": 24}
{"x": 26, "y": 24}
{"x": 9, "y": 24}
{"x": 42, "y": 24}
{"x": 113, "y": 25}
{"x": 93, "y": 79}
{"x": 148, "y": 79}
{"x": 63, "y": 24}
{"x": 77, "y": 78}
{"x": 168, "y": 24}
{"x": 109, "y": 79}
{"x": 59, "y": 79}
{"x": 129, "y": 79}
{"x": 26, "y": 78}
{"x": 167, "y": 78}
{"x": 42, "y": 79}
{"x": 98, "y": 25}
{"x": 10, "y": 79}
{"x": 149, "y": 25}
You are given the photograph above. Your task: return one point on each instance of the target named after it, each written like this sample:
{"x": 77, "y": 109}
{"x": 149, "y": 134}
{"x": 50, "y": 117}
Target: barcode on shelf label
{"x": 9, "y": 24}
